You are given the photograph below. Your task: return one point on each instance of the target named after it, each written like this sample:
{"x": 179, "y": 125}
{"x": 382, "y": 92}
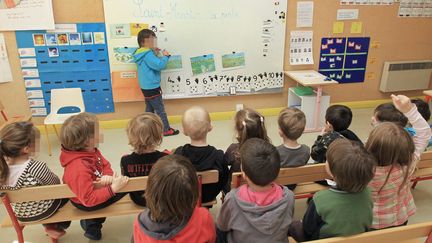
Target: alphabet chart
{"x": 344, "y": 59}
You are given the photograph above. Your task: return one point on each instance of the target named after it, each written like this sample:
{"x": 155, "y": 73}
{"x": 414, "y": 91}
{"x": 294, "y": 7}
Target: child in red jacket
{"x": 83, "y": 165}
{"x": 171, "y": 214}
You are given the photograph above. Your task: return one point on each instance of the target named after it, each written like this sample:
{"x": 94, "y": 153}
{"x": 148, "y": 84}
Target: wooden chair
{"x": 304, "y": 177}
{"x": 424, "y": 169}
{"x": 405, "y": 234}
{"x": 68, "y": 212}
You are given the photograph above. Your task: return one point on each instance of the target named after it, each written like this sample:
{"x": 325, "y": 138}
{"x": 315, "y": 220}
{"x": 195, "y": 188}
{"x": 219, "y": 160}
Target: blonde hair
{"x": 196, "y": 122}
{"x": 144, "y": 132}
{"x": 250, "y": 124}
{"x": 14, "y": 137}
{"x": 292, "y": 122}
{"x": 77, "y": 131}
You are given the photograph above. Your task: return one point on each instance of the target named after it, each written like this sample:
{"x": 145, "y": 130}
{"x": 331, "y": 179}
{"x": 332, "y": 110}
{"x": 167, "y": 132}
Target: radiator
{"x": 406, "y": 75}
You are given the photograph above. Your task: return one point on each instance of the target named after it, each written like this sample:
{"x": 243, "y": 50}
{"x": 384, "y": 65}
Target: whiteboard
{"x": 225, "y": 46}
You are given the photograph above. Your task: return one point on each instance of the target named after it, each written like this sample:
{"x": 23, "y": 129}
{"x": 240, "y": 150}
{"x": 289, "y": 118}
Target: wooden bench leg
{"x": 48, "y": 141}
{"x": 16, "y": 225}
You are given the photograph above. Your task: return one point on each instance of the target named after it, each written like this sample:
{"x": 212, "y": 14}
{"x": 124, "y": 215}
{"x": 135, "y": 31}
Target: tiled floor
{"x": 119, "y": 229}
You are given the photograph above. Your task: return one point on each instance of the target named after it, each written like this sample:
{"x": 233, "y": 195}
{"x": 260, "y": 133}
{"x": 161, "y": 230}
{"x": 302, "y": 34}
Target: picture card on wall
{"x": 175, "y": 63}
{"x": 203, "y": 64}
{"x": 234, "y": 60}
{"x": 74, "y": 39}
{"x": 38, "y": 111}
{"x": 27, "y": 52}
{"x": 38, "y": 39}
{"x": 99, "y": 38}
{"x": 87, "y": 38}
{"x": 28, "y": 62}
{"x": 34, "y": 94}
{"x": 63, "y": 39}
{"x": 120, "y": 31}
{"x": 301, "y": 48}
{"x": 124, "y": 55}
{"x": 32, "y": 83}
{"x": 30, "y": 73}
{"x": 135, "y": 28}
{"x": 36, "y": 102}
{"x": 51, "y": 39}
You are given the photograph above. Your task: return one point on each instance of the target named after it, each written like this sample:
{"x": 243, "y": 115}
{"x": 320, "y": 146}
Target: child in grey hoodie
{"x": 261, "y": 210}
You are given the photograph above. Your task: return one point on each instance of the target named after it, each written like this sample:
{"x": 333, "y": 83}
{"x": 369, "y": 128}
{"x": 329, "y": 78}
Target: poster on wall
{"x": 418, "y": 8}
{"x": 5, "y": 69}
{"x": 71, "y": 56}
{"x": 301, "y": 48}
{"x": 367, "y": 2}
{"x": 344, "y": 59}
{"x": 26, "y": 15}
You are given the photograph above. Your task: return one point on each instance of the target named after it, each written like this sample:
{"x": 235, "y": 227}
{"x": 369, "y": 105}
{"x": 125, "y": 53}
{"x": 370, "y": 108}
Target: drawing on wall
{"x": 124, "y": 54}
{"x": 175, "y": 63}
{"x": 203, "y": 64}
{"x": 233, "y": 60}
{"x": 344, "y": 59}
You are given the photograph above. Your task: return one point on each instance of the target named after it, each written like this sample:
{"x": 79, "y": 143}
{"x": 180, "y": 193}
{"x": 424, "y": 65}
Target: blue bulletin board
{"x": 344, "y": 59}
{"x": 75, "y": 55}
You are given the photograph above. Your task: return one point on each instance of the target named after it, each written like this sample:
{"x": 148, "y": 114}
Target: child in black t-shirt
{"x": 196, "y": 125}
{"x": 145, "y": 135}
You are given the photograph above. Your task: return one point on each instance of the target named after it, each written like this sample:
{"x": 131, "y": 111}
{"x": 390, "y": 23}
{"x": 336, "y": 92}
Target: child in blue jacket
{"x": 149, "y": 67}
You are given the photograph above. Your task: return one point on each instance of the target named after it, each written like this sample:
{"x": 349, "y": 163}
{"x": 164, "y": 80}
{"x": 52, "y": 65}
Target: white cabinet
{"x": 307, "y": 104}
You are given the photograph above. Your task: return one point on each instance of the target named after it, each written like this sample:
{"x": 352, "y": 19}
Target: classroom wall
{"x": 399, "y": 39}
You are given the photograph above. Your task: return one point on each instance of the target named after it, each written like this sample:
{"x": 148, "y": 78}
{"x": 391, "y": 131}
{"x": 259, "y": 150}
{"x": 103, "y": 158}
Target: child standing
{"x": 149, "y": 67}
{"x": 338, "y": 119}
{"x": 84, "y": 164}
{"x": 171, "y": 214}
{"x": 196, "y": 125}
{"x": 347, "y": 208}
{"x": 261, "y": 210}
{"x": 145, "y": 135}
{"x": 397, "y": 155}
{"x": 18, "y": 142}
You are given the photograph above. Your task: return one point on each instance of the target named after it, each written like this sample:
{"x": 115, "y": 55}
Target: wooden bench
{"x": 405, "y": 234}
{"x": 68, "y": 212}
{"x": 424, "y": 169}
{"x": 304, "y": 177}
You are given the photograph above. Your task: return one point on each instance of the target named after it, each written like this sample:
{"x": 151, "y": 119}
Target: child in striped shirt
{"x": 397, "y": 155}
{"x": 18, "y": 170}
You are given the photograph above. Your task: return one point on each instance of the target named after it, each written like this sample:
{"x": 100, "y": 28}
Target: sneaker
{"x": 53, "y": 232}
{"x": 171, "y": 132}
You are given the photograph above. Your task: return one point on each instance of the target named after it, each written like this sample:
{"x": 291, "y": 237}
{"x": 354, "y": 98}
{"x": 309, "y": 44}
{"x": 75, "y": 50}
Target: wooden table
{"x": 311, "y": 78}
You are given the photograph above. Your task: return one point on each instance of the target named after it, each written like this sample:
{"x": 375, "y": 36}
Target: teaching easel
{"x": 311, "y": 78}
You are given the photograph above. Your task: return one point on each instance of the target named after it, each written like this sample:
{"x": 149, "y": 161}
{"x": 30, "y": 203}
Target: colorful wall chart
{"x": 74, "y": 55}
{"x": 344, "y": 59}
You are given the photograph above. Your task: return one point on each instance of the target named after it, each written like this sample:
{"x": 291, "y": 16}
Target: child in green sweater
{"x": 345, "y": 209}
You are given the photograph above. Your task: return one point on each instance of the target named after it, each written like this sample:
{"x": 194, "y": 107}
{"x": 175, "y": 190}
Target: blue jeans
{"x": 156, "y": 105}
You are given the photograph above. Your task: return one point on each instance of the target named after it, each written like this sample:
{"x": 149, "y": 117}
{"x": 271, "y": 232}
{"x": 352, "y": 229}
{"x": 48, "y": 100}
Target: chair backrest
{"x": 68, "y": 97}
{"x": 63, "y": 190}
{"x": 397, "y": 234}
{"x": 307, "y": 173}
